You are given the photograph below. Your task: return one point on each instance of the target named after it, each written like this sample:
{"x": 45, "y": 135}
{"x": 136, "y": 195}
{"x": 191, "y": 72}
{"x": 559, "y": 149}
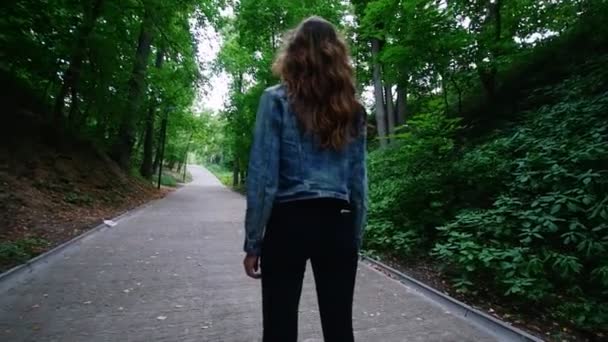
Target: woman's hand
{"x": 252, "y": 266}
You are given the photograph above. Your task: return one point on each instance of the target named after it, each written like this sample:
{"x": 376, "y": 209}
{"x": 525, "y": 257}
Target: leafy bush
{"x": 224, "y": 174}
{"x": 19, "y": 251}
{"x": 410, "y": 190}
{"x": 78, "y": 199}
{"x": 168, "y": 180}
{"x": 544, "y": 239}
{"x": 221, "y": 172}
{"x": 522, "y": 215}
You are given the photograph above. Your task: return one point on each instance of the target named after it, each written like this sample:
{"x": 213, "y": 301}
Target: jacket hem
{"x": 313, "y": 195}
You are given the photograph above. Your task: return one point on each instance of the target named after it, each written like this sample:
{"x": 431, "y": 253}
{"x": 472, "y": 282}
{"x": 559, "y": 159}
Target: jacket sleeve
{"x": 358, "y": 185}
{"x": 262, "y": 175}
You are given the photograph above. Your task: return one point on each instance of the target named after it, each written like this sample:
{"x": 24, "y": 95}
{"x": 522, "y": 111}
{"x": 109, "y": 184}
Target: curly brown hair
{"x": 314, "y": 65}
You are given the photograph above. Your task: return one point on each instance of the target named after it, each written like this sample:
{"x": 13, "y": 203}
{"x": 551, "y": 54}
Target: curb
{"x": 501, "y": 330}
{"x": 28, "y": 267}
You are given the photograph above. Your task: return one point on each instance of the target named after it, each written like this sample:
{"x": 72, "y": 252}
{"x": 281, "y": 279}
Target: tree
{"x": 88, "y": 63}
{"x": 147, "y": 169}
{"x": 381, "y": 115}
{"x": 401, "y": 105}
{"x": 250, "y": 42}
{"x": 72, "y": 74}
{"x": 126, "y": 132}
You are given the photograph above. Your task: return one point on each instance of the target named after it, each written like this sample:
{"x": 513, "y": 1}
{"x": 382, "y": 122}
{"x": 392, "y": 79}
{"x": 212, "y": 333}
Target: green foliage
{"x": 167, "y": 179}
{"x": 520, "y": 213}
{"x": 223, "y": 173}
{"x": 251, "y": 39}
{"x": 21, "y": 250}
{"x": 409, "y": 185}
{"x": 66, "y": 50}
{"x": 79, "y": 199}
{"x": 545, "y": 237}
{"x": 521, "y": 210}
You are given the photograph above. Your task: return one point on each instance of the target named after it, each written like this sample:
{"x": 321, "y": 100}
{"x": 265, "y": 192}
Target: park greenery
{"x": 488, "y": 125}
{"x": 488, "y": 137}
{"x": 123, "y": 74}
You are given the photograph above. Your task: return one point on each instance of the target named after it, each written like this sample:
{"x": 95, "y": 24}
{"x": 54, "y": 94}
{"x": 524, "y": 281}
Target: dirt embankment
{"x": 54, "y": 186}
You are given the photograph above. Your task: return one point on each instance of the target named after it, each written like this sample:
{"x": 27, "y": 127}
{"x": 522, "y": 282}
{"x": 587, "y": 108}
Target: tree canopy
{"x": 111, "y": 70}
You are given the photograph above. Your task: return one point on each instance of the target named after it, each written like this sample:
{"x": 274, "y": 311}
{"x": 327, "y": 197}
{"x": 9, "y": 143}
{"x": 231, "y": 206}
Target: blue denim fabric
{"x": 287, "y": 165}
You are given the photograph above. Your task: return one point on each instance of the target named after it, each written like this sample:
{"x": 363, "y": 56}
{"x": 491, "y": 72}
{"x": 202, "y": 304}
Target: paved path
{"x": 172, "y": 272}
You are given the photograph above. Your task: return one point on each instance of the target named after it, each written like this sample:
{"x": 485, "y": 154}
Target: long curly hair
{"x": 314, "y": 65}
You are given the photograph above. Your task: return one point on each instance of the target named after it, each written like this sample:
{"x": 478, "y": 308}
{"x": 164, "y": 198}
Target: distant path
{"x": 172, "y": 272}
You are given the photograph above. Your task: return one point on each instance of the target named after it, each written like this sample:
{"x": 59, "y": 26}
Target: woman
{"x": 307, "y": 184}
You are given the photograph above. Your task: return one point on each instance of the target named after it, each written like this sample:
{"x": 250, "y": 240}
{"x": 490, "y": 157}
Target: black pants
{"x": 319, "y": 230}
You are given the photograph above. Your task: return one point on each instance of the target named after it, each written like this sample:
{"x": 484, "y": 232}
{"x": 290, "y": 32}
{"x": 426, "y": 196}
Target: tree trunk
{"x": 83, "y": 115}
{"x": 487, "y": 75}
{"x": 161, "y": 147}
{"x": 459, "y": 93}
{"x": 496, "y": 13}
{"x": 147, "y": 169}
{"x": 72, "y": 74}
{"x": 185, "y": 160}
{"x": 158, "y": 149}
{"x": 378, "y": 94}
{"x": 146, "y": 165}
{"x": 444, "y": 90}
{"x": 235, "y": 173}
{"x": 358, "y": 76}
{"x": 390, "y": 109}
{"x": 236, "y": 167}
{"x": 125, "y": 140}
{"x": 101, "y": 125}
{"x": 401, "y": 105}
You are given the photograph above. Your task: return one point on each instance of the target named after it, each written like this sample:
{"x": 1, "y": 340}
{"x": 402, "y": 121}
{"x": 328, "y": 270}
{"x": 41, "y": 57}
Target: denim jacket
{"x": 286, "y": 165}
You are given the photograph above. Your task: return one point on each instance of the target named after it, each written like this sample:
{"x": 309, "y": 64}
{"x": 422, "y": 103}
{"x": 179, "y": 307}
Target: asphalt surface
{"x": 171, "y": 271}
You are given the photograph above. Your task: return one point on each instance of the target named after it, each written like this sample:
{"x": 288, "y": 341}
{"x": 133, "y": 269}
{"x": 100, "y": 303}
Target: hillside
{"x": 53, "y": 184}
{"x": 506, "y": 207}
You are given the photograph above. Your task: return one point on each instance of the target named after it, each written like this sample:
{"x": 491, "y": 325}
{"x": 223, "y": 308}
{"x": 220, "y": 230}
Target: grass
{"x": 222, "y": 173}
{"x": 178, "y": 177}
{"x": 78, "y": 199}
{"x": 225, "y": 176}
{"x": 167, "y": 179}
{"x": 21, "y": 250}
{"x": 188, "y": 177}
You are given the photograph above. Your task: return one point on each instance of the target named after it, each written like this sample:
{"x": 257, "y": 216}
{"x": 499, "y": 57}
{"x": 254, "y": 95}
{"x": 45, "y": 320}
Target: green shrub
{"x": 225, "y": 177}
{"x": 523, "y": 215}
{"x": 78, "y": 199}
{"x": 168, "y": 180}
{"x": 544, "y": 239}
{"x": 19, "y": 251}
{"x": 410, "y": 190}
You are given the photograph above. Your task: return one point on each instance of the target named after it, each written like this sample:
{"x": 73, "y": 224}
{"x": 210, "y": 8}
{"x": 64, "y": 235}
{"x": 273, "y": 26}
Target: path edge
{"x": 501, "y": 330}
{"x": 32, "y": 264}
